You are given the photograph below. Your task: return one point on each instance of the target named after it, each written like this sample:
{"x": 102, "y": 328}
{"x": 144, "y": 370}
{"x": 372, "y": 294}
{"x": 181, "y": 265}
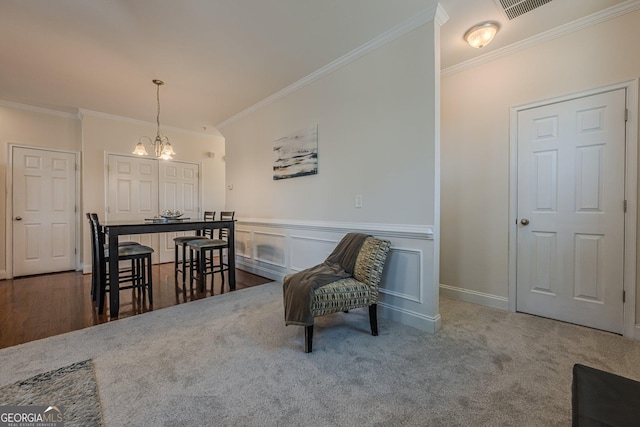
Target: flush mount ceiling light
{"x": 481, "y": 35}
{"x": 161, "y": 146}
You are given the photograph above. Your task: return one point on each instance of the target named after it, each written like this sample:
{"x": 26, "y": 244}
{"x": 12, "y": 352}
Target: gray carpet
{"x": 72, "y": 388}
{"x": 230, "y": 361}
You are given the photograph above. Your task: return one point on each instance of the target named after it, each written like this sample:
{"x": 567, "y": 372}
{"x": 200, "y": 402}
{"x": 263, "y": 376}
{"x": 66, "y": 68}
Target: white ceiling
{"x": 217, "y": 57}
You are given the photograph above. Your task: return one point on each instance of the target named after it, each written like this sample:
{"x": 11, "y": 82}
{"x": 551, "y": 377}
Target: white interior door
{"x": 570, "y": 238}
{"x": 133, "y": 193}
{"x": 44, "y": 201}
{"x": 140, "y": 188}
{"x": 179, "y": 185}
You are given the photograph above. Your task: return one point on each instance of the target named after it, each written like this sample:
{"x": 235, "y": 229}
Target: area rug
{"x": 71, "y": 387}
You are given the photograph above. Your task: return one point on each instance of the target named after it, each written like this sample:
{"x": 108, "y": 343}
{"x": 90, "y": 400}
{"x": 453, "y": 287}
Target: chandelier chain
{"x": 161, "y": 146}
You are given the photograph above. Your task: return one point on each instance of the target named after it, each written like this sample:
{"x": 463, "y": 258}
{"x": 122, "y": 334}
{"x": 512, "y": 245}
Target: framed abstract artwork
{"x": 296, "y": 154}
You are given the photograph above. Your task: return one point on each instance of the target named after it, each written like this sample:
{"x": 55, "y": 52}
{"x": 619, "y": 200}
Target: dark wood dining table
{"x": 114, "y": 229}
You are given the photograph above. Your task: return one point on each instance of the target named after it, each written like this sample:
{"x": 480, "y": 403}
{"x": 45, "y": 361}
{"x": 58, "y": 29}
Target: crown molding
{"x": 84, "y": 112}
{"x": 577, "y": 25}
{"x": 434, "y": 13}
{"x": 41, "y": 110}
{"x": 441, "y": 16}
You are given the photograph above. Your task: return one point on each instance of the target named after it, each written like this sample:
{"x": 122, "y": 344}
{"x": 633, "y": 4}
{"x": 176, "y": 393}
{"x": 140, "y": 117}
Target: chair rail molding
{"x": 383, "y": 230}
{"x": 274, "y": 248}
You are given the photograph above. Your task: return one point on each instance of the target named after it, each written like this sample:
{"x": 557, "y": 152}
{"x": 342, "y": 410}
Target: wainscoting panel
{"x": 270, "y": 248}
{"x": 409, "y": 292}
{"x": 243, "y": 243}
{"x": 405, "y": 263}
{"x": 309, "y": 251}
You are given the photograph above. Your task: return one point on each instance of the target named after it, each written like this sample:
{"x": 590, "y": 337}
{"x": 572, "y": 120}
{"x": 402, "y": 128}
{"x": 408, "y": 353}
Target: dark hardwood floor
{"x": 37, "y": 307}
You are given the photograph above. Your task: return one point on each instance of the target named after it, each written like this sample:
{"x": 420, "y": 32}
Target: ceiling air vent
{"x": 514, "y": 8}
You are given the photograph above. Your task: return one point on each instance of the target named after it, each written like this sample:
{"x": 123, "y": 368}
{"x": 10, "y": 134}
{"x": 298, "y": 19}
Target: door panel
{"x": 133, "y": 193}
{"x": 571, "y": 158}
{"x": 44, "y": 199}
{"x": 179, "y": 190}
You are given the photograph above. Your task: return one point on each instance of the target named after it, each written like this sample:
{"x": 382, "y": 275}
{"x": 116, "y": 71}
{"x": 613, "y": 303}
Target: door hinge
{"x": 624, "y": 296}
{"x": 624, "y": 205}
{"x": 626, "y": 114}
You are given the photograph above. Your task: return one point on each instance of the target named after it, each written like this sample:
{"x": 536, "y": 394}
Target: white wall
{"x": 475, "y": 142}
{"x": 377, "y": 137}
{"x": 35, "y": 128}
{"x": 94, "y": 134}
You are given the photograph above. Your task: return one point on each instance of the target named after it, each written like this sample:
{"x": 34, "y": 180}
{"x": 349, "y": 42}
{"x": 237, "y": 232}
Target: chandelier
{"x": 161, "y": 145}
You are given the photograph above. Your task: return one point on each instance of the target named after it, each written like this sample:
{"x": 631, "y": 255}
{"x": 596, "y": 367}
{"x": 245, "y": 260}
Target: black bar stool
{"x": 95, "y": 279}
{"x": 139, "y": 274}
{"x": 204, "y": 255}
{"x": 181, "y": 241}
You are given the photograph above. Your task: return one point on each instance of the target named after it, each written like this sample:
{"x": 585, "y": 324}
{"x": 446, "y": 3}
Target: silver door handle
{"x": 524, "y": 221}
{"x": 18, "y": 218}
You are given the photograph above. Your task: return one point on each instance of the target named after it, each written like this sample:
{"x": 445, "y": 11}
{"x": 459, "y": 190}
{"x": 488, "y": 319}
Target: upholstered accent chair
{"x": 360, "y": 290}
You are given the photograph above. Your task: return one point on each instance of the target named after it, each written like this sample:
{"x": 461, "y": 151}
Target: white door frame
{"x": 106, "y": 178}
{"x": 9, "y": 206}
{"x": 107, "y": 154}
{"x": 629, "y": 328}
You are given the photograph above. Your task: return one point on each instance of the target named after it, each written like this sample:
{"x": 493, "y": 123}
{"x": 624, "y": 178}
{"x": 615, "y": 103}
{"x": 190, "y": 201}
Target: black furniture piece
{"x": 114, "y": 229}
{"x": 180, "y": 245}
{"x": 95, "y": 259}
{"x": 202, "y": 251}
{"x": 600, "y": 398}
{"x": 139, "y": 274}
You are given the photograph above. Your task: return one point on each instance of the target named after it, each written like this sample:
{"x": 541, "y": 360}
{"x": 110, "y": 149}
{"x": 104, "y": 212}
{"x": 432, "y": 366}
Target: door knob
{"x": 18, "y": 218}
{"x": 524, "y": 221}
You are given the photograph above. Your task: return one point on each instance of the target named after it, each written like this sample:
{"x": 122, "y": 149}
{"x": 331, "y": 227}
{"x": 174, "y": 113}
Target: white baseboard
{"x": 475, "y": 297}
{"x": 3, "y": 274}
{"x": 636, "y": 333}
{"x": 259, "y": 269}
{"x": 410, "y": 318}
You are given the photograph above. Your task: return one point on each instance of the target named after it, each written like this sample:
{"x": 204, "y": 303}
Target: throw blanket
{"x": 298, "y": 288}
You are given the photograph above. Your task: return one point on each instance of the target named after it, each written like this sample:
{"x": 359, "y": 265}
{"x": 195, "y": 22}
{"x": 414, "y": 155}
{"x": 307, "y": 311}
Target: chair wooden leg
{"x": 102, "y": 292}
{"x": 193, "y": 268}
{"x": 202, "y": 260}
{"x": 139, "y": 279}
{"x": 150, "y": 278}
{"x": 186, "y": 265}
{"x": 308, "y": 338}
{"x": 176, "y": 262}
{"x": 220, "y": 260}
{"x": 373, "y": 319}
